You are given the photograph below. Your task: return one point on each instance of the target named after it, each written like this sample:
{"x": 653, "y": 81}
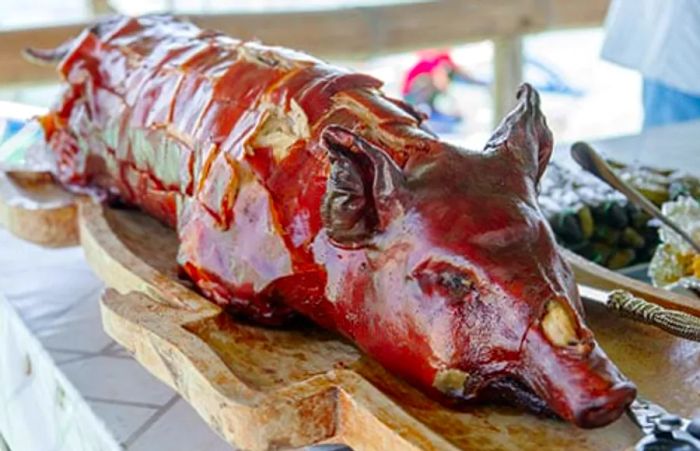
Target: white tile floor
{"x": 169, "y": 433}
{"x": 113, "y": 378}
{"x": 57, "y": 296}
{"x": 124, "y": 420}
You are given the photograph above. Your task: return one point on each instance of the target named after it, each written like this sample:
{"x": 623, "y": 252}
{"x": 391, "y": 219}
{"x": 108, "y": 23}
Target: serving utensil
{"x": 592, "y": 162}
{"x": 675, "y": 322}
{"x": 662, "y": 430}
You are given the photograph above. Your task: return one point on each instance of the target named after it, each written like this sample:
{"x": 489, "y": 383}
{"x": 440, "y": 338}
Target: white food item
{"x": 671, "y": 257}
{"x": 686, "y": 213}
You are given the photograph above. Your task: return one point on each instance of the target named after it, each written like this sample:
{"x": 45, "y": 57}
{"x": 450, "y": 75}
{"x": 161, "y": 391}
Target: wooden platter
{"x": 269, "y": 388}
{"x": 263, "y": 388}
{"x": 36, "y": 210}
{"x": 589, "y": 273}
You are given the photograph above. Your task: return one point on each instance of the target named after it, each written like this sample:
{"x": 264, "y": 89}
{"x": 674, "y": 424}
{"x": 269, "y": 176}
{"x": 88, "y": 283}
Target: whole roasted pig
{"x": 298, "y": 188}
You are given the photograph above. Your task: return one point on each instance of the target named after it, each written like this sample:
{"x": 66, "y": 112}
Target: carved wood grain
{"x": 38, "y": 212}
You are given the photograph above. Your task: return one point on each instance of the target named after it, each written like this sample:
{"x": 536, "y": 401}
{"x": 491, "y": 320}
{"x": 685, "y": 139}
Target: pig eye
{"x": 457, "y": 284}
{"x": 445, "y": 280}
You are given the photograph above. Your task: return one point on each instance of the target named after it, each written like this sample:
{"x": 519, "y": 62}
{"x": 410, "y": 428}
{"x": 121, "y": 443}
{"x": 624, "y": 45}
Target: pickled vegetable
{"x": 632, "y": 238}
{"x": 606, "y": 234}
{"x": 621, "y": 258}
{"x": 585, "y": 218}
{"x": 598, "y": 223}
{"x": 568, "y": 227}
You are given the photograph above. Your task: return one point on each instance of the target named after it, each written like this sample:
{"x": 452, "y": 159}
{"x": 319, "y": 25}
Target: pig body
{"x": 298, "y": 188}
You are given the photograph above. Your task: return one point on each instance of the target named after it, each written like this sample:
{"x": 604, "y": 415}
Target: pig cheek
{"x": 443, "y": 325}
{"x": 491, "y": 329}
{"x": 401, "y": 335}
{"x": 472, "y": 333}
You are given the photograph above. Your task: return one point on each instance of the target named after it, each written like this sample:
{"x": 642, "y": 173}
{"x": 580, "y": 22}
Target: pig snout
{"x": 569, "y": 371}
{"x": 607, "y": 408}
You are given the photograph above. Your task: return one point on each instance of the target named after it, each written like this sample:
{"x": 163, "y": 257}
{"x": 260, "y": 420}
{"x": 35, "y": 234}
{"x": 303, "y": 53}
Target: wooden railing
{"x": 362, "y": 32}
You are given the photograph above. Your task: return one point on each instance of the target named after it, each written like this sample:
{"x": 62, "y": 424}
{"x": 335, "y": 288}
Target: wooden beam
{"x": 101, "y": 7}
{"x": 358, "y": 32}
{"x": 576, "y": 13}
{"x": 508, "y": 74}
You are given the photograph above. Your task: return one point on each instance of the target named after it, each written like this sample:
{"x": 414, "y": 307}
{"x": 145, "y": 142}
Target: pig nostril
{"x": 608, "y": 409}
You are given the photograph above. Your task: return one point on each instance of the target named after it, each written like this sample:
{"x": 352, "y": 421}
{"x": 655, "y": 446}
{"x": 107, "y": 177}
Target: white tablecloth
{"x": 64, "y": 384}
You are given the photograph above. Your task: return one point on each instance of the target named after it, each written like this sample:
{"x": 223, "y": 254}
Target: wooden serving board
{"x": 270, "y": 388}
{"x": 589, "y": 273}
{"x": 263, "y": 388}
{"x": 36, "y": 210}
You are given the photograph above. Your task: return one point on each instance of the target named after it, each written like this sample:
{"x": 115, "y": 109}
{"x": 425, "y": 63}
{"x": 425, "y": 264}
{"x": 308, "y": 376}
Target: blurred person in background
{"x": 661, "y": 40}
{"x": 427, "y": 82}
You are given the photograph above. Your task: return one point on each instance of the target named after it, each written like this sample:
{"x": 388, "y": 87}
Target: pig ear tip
{"x": 329, "y": 131}
{"x": 528, "y": 94}
{"x": 524, "y": 89}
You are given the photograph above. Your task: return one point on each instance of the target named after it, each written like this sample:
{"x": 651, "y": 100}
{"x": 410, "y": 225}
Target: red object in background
{"x": 298, "y": 188}
{"x": 428, "y": 64}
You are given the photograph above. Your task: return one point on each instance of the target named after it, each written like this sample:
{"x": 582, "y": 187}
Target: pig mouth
{"x": 510, "y": 391}
{"x": 502, "y": 390}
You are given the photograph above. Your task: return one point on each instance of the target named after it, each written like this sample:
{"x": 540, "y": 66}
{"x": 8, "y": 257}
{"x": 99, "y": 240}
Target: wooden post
{"x": 101, "y": 7}
{"x": 507, "y": 74}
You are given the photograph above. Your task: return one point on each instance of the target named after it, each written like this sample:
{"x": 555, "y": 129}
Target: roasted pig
{"x": 299, "y": 189}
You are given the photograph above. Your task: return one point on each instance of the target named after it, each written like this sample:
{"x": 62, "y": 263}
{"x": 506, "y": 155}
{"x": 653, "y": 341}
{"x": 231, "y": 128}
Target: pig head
{"x": 446, "y": 271}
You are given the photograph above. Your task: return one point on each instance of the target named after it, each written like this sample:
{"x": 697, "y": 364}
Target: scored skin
{"x": 137, "y": 86}
{"x": 247, "y": 151}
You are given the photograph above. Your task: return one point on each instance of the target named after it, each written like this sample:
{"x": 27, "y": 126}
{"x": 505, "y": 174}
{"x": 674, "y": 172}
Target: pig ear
{"x": 363, "y": 189}
{"x": 523, "y": 136}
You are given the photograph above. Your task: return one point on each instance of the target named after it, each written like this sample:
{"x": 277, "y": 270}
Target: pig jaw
{"x": 572, "y": 379}
{"x": 551, "y": 374}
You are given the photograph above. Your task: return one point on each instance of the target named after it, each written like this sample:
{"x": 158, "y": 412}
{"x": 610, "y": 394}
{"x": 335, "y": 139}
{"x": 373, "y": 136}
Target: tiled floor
{"x": 56, "y": 295}
{"x": 166, "y": 429}
{"x": 118, "y": 379}
{"x": 125, "y": 420}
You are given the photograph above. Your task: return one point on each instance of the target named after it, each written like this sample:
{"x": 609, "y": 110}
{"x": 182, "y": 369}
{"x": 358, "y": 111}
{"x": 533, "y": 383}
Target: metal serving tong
{"x": 675, "y": 322}
{"x": 663, "y": 431}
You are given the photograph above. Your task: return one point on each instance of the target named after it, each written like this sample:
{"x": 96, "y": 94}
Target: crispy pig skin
{"x": 298, "y": 188}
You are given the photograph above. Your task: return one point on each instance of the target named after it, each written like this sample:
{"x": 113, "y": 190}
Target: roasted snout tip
{"x": 607, "y": 408}
{"x": 572, "y": 373}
